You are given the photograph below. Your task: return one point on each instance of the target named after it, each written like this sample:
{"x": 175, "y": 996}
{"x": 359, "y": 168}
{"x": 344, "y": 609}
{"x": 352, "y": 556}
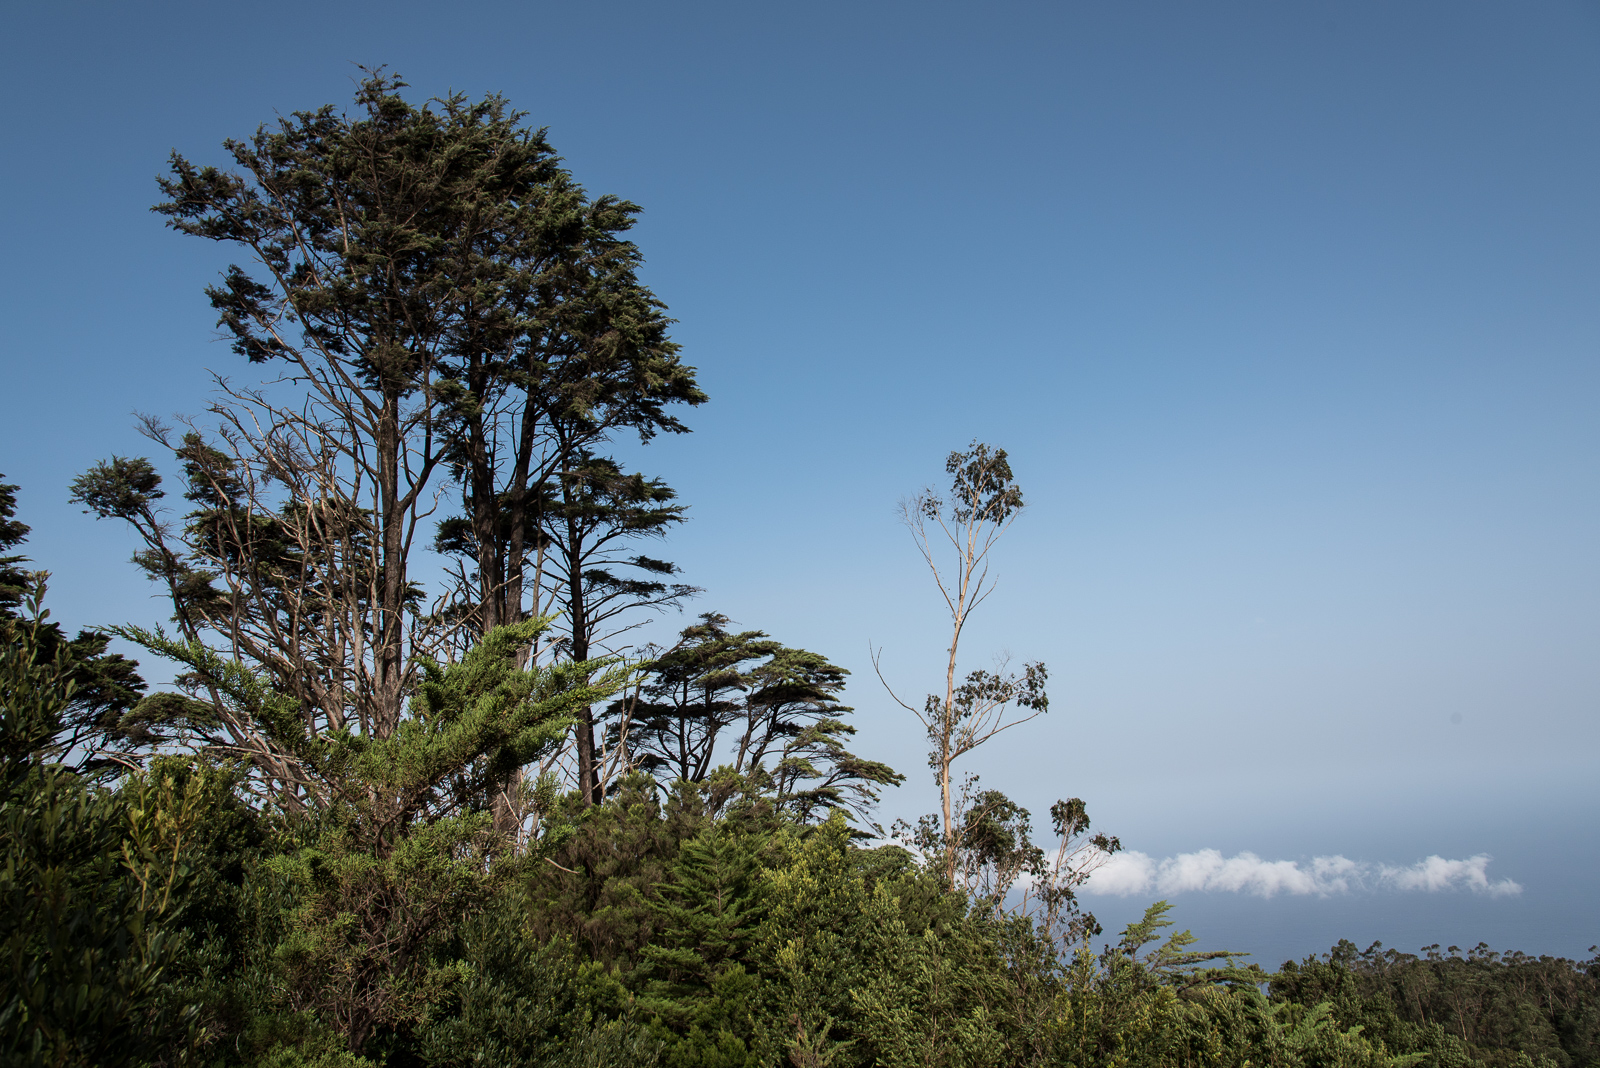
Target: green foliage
{"x": 591, "y": 514}
{"x": 777, "y": 705}
{"x": 346, "y": 918}
{"x": 168, "y": 921}
{"x": 982, "y": 488}
{"x": 1172, "y": 1007}
{"x": 14, "y": 581}
{"x": 87, "y": 931}
{"x": 877, "y": 954}
{"x": 695, "y": 980}
{"x": 1482, "y": 1006}
{"x": 68, "y": 698}
{"x": 404, "y": 849}
{"x": 527, "y": 1002}
{"x": 95, "y": 888}
{"x": 596, "y": 885}
{"x": 34, "y": 692}
{"x": 749, "y": 939}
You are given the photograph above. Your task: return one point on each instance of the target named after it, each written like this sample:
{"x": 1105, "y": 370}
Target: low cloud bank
{"x": 1133, "y": 873}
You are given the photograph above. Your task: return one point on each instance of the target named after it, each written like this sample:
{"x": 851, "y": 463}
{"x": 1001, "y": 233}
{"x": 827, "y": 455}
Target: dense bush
{"x": 162, "y": 921}
{"x": 165, "y": 916}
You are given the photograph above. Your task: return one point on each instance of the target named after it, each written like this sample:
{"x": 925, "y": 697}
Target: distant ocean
{"x": 1554, "y": 853}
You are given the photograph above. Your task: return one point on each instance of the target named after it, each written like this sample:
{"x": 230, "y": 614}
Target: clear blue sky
{"x": 1286, "y": 313}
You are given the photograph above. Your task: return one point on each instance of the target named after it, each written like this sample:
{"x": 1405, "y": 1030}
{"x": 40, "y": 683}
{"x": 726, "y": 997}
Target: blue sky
{"x": 1286, "y": 314}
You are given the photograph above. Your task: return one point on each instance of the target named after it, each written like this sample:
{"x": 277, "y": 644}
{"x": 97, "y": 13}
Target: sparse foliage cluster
{"x": 980, "y": 837}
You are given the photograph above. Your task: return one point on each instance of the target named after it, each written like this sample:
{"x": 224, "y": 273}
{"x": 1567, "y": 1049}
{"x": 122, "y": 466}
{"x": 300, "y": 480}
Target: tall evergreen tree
{"x": 576, "y": 351}
{"x": 443, "y": 300}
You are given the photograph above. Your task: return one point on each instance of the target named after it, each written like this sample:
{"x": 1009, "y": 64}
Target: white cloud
{"x": 1437, "y": 873}
{"x": 1133, "y": 873}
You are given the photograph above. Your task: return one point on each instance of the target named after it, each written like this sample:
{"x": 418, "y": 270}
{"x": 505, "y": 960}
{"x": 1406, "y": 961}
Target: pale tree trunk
{"x": 984, "y": 501}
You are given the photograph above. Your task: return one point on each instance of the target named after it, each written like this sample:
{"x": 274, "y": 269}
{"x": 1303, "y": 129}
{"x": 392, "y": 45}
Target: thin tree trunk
{"x": 578, "y": 622}
{"x": 388, "y": 654}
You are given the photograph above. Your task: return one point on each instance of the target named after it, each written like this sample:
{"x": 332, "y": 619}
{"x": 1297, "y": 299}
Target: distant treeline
{"x": 1499, "y": 1006}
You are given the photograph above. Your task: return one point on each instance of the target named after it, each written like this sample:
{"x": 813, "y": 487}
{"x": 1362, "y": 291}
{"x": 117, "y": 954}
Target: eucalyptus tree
{"x": 983, "y": 501}
{"x": 979, "y": 838}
